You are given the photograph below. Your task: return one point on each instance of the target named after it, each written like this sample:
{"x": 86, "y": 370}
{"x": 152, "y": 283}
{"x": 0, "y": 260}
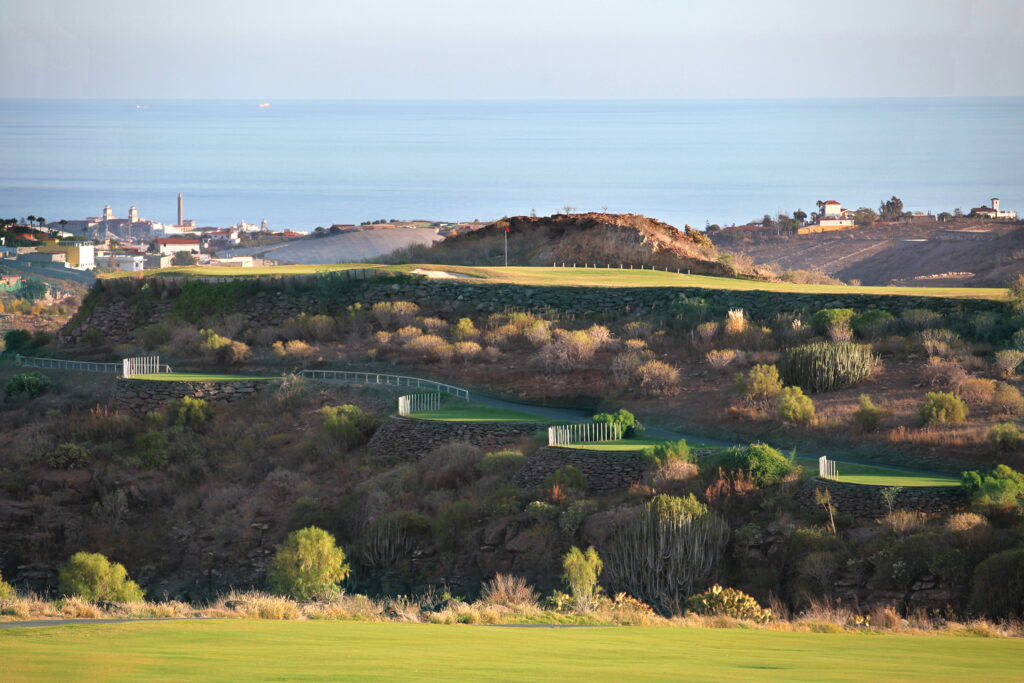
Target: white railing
{"x": 61, "y": 364}
{"x": 827, "y": 468}
{"x": 148, "y": 365}
{"x": 418, "y": 403}
{"x": 393, "y": 380}
{"x": 563, "y": 435}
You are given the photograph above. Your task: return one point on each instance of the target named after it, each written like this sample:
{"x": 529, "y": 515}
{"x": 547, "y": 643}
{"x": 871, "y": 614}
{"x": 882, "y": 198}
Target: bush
{"x": 296, "y": 348}
{"x": 940, "y": 373}
{"x": 467, "y": 350}
{"x": 729, "y": 602}
{"x": 998, "y": 488}
{"x": 222, "y": 349}
{"x": 1005, "y": 437}
{"x": 6, "y": 589}
{"x": 581, "y": 570}
{"x": 872, "y": 324}
{"x": 501, "y": 462}
{"x": 630, "y": 426}
{"x": 762, "y": 463}
{"x": 391, "y": 538}
{"x": 666, "y": 452}
{"x": 465, "y": 330}
{"x": 568, "y": 477}
{"x": 868, "y": 415}
{"x": 508, "y": 590}
{"x": 999, "y": 585}
{"x": 977, "y": 390}
{"x": 452, "y": 523}
{"x": 570, "y": 520}
{"x": 657, "y": 378}
{"x": 189, "y": 412}
{"x": 760, "y": 385}
{"x": 919, "y": 318}
{"x": 942, "y": 408}
{"x": 1008, "y": 360}
{"x": 69, "y": 456}
{"x": 430, "y": 347}
{"x": 92, "y": 576}
{"x": 794, "y": 406}
{"x": 398, "y": 313}
{"x": 31, "y": 384}
{"x": 828, "y": 318}
{"x": 721, "y": 358}
{"x": 16, "y": 340}
{"x": 349, "y": 424}
{"x": 155, "y": 335}
{"x": 308, "y": 565}
{"x": 825, "y": 366}
{"x": 1006, "y": 399}
{"x": 542, "y": 512}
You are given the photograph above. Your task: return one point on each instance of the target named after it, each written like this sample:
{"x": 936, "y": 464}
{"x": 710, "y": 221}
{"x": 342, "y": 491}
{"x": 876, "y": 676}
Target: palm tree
{"x": 40, "y": 220}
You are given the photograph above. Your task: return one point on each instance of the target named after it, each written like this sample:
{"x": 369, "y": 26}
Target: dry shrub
{"x": 451, "y": 466}
{"x": 968, "y": 529}
{"x": 600, "y": 335}
{"x": 467, "y": 350}
{"x": 943, "y": 374}
{"x": 638, "y": 329}
{"x": 569, "y": 350}
{"x": 491, "y": 354}
{"x": 635, "y": 344}
{"x": 840, "y": 332}
{"x": 735, "y": 322}
{"x": 705, "y": 333}
{"x": 1006, "y": 399}
{"x": 383, "y": 338}
{"x": 508, "y": 590}
{"x": 885, "y": 618}
{"x": 185, "y": 340}
{"x": 624, "y": 366}
{"x": 658, "y": 378}
{"x": 406, "y": 334}
{"x": 673, "y": 477}
{"x": 1007, "y": 361}
{"x": 539, "y": 333}
{"x": 730, "y": 485}
{"x": 430, "y": 347}
{"x": 977, "y": 390}
{"x": 903, "y": 522}
{"x": 255, "y": 605}
{"x": 397, "y": 313}
{"x": 296, "y": 348}
{"x": 433, "y": 325}
{"x": 721, "y": 358}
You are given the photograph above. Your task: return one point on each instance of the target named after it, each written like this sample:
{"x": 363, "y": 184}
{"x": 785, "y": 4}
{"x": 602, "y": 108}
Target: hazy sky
{"x": 440, "y": 49}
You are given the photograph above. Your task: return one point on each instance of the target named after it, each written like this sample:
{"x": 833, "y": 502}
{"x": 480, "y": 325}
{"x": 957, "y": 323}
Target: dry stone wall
{"x": 862, "y": 501}
{"x": 402, "y": 438}
{"x": 141, "y": 396}
{"x": 605, "y": 470}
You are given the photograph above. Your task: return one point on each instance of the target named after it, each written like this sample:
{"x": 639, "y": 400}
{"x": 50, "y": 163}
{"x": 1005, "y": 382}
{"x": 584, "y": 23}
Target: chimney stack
{"x": 181, "y": 215}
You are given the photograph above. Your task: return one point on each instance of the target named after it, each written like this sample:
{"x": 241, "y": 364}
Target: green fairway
{"x": 617, "y": 445}
{"x": 613, "y": 277}
{"x": 198, "y": 377}
{"x": 875, "y": 475}
{"x": 461, "y": 411}
{"x": 229, "y": 271}
{"x": 319, "y": 650}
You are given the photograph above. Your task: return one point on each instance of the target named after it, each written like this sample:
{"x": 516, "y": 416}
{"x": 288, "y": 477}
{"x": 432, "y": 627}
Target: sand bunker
{"x": 441, "y": 274}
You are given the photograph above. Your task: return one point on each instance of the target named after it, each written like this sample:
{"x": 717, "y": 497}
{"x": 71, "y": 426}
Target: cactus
{"x": 824, "y": 366}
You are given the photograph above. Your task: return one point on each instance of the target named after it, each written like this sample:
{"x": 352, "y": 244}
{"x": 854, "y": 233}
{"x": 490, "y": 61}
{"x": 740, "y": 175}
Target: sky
{"x": 510, "y": 49}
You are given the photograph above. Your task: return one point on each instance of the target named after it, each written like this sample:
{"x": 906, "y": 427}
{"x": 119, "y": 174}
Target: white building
{"x": 994, "y": 211}
{"x": 173, "y": 245}
{"x": 128, "y": 263}
{"x": 834, "y": 216}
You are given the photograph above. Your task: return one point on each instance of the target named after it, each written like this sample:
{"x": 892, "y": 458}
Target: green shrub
{"x": 93, "y": 577}
{"x": 222, "y": 349}
{"x": 452, "y": 523}
{"x": 666, "y": 452}
{"x": 999, "y": 585}
{"x": 630, "y": 426}
{"x": 943, "y": 408}
{"x": 868, "y": 415}
{"x": 68, "y": 456}
{"x": 1000, "y": 487}
{"x": 156, "y": 335}
{"x": 501, "y": 462}
{"x": 1005, "y": 437}
{"x": 568, "y": 478}
{"x": 308, "y": 565}
{"x": 794, "y": 406}
{"x": 31, "y": 384}
{"x": 761, "y": 384}
{"x": 580, "y": 572}
{"x": 151, "y": 449}
{"x": 6, "y": 589}
{"x": 349, "y": 424}
{"x": 827, "y": 318}
{"x": 872, "y": 324}
{"x": 16, "y": 340}
{"x": 765, "y": 465}
{"x": 189, "y": 412}
{"x": 919, "y": 318}
{"x": 824, "y": 366}
{"x": 729, "y": 602}
{"x": 542, "y": 512}
{"x": 569, "y": 521}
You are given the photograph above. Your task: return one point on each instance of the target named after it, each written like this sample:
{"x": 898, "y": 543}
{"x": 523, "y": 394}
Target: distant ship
{"x": 264, "y": 104}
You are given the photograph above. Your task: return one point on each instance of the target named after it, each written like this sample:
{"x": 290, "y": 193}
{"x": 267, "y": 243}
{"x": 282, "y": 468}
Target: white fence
{"x": 61, "y": 364}
{"x": 393, "y": 380}
{"x": 418, "y": 403}
{"x": 149, "y": 365}
{"x": 827, "y": 468}
{"x": 563, "y": 435}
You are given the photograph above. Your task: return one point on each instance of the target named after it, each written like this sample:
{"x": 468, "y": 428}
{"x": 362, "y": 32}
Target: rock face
{"x": 401, "y": 438}
{"x": 140, "y": 396}
{"x": 861, "y": 501}
{"x": 605, "y": 470}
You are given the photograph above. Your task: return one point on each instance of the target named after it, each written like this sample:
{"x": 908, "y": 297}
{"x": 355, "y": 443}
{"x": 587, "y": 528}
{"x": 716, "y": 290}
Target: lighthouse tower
{"x": 181, "y": 213}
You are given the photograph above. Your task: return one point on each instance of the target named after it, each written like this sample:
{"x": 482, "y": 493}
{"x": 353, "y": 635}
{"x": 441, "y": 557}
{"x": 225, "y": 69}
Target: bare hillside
{"x": 968, "y": 252}
{"x": 344, "y": 248}
{"x": 595, "y": 238}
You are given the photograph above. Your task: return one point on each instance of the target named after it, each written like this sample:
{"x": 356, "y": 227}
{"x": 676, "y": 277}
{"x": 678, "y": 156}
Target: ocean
{"x": 303, "y": 164}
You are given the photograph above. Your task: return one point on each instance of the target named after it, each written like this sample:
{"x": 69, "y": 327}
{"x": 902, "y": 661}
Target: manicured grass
{"x": 228, "y": 271}
{"x": 460, "y": 411}
{"x": 198, "y": 377}
{"x": 317, "y": 650}
{"x": 613, "y": 277}
{"x": 875, "y": 475}
{"x": 618, "y": 445}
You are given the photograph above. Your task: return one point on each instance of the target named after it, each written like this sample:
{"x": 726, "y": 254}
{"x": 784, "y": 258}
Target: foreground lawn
{"x": 613, "y": 277}
{"x": 460, "y": 411}
{"x": 314, "y": 650}
{"x": 619, "y": 445}
{"x": 198, "y": 377}
{"x": 229, "y": 271}
{"x": 875, "y": 475}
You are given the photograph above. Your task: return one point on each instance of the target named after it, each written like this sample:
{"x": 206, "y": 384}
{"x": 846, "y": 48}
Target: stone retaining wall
{"x": 402, "y": 438}
{"x": 141, "y": 396}
{"x": 605, "y": 470}
{"x": 862, "y": 501}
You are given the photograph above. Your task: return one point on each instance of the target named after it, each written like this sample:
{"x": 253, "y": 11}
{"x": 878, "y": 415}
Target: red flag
{"x": 506, "y": 229}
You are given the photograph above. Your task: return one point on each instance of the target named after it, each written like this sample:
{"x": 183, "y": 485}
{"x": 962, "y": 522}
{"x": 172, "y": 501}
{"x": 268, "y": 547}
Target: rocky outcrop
{"x": 140, "y": 396}
{"x": 862, "y": 501}
{"x": 401, "y": 438}
{"x": 605, "y": 470}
